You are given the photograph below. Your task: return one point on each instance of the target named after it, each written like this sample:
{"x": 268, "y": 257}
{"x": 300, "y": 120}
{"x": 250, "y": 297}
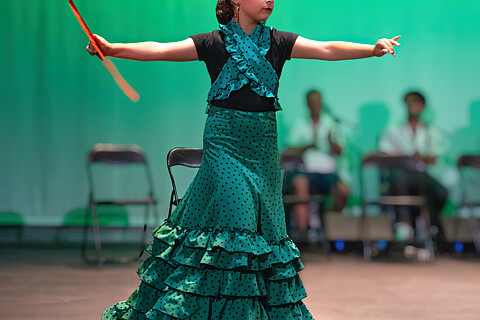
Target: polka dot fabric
{"x": 246, "y": 65}
{"x": 224, "y": 254}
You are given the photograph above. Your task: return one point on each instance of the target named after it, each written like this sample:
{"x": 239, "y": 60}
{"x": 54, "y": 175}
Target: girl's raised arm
{"x": 147, "y": 51}
{"x": 339, "y": 50}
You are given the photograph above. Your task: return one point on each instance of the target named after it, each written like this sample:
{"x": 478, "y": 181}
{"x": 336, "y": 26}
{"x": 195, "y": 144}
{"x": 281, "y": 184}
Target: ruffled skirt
{"x": 224, "y": 254}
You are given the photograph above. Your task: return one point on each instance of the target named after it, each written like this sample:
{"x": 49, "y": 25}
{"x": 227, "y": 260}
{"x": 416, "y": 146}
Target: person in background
{"x": 318, "y": 141}
{"x": 415, "y": 138}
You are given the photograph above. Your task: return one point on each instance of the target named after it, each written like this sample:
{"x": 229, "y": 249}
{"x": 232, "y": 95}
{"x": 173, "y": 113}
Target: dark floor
{"x": 49, "y": 283}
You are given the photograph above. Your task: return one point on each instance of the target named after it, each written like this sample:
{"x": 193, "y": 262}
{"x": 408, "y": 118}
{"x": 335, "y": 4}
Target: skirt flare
{"x": 224, "y": 254}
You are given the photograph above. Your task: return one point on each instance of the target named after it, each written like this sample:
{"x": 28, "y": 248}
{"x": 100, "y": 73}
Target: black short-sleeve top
{"x": 211, "y": 50}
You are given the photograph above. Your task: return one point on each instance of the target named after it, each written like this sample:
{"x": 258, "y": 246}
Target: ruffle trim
{"x": 225, "y": 249}
{"x": 223, "y": 260}
{"x": 246, "y": 68}
{"x": 160, "y": 275}
{"x": 247, "y": 73}
{"x": 203, "y": 274}
{"x": 243, "y": 64}
{"x": 194, "y": 308}
{"x": 228, "y": 239}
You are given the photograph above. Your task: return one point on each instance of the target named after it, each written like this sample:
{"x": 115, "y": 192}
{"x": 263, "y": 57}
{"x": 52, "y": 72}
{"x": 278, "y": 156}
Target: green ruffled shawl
{"x": 246, "y": 65}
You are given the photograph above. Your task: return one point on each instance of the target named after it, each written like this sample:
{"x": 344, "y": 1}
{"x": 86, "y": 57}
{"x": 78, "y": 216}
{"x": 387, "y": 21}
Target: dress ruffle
{"x": 202, "y": 274}
{"x": 247, "y": 64}
{"x": 224, "y": 254}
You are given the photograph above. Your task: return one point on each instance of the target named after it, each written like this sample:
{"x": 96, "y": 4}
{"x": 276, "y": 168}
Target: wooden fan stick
{"x": 107, "y": 63}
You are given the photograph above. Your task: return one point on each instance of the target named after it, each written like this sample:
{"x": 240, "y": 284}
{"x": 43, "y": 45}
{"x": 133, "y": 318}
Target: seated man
{"x": 415, "y": 138}
{"x": 318, "y": 142}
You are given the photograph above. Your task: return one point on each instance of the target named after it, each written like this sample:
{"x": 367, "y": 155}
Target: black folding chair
{"x": 464, "y": 162}
{"x": 187, "y": 157}
{"x": 290, "y": 162}
{"x": 116, "y": 155}
{"x": 389, "y": 162}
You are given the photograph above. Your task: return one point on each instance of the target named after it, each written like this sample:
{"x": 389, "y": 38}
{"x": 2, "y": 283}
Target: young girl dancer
{"x": 224, "y": 253}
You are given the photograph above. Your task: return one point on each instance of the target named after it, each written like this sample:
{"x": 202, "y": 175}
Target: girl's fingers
{"x": 382, "y": 52}
{"x": 395, "y": 43}
{"x": 91, "y": 50}
{"x": 99, "y": 39}
{"x": 390, "y": 49}
{"x": 386, "y": 43}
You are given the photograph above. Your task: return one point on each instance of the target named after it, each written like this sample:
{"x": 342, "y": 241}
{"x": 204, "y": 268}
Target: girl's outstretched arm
{"x": 147, "y": 51}
{"x": 339, "y": 50}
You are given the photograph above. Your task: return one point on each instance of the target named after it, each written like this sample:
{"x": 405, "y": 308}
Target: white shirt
{"x": 403, "y": 141}
{"x": 321, "y": 158}
{"x": 427, "y": 141}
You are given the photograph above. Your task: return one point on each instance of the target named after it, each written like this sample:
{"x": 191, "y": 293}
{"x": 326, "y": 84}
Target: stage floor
{"x": 49, "y": 284}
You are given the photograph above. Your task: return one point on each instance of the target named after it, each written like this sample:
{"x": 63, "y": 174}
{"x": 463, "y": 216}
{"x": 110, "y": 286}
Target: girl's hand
{"x": 385, "y": 46}
{"x": 103, "y": 44}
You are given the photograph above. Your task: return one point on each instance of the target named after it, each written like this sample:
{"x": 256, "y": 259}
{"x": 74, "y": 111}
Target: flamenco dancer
{"x": 224, "y": 253}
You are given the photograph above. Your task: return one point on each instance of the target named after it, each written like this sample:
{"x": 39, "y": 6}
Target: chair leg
{"x": 475, "y": 231}
{"x": 425, "y": 214}
{"x": 144, "y": 233}
{"x": 456, "y": 228}
{"x": 322, "y": 231}
{"x": 367, "y": 246}
{"x": 170, "y": 207}
{"x": 156, "y": 215}
{"x": 96, "y": 235}
{"x": 86, "y": 226}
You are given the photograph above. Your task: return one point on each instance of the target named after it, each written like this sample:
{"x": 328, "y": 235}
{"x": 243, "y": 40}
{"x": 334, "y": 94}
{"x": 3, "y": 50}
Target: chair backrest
{"x": 469, "y": 161}
{"x": 469, "y": 166}
{"x": 385, "y": 161}
{"x": 188, "y": 157}
{"x": 116, "y": 154}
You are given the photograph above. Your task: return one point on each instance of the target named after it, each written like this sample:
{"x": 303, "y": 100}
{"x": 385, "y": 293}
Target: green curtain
{"x": 57, "y": 101}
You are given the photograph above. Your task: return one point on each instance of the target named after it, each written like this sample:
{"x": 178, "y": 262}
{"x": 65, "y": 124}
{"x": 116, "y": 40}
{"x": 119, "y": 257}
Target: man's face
{"x": 314, "y": 102}
{"x": 415, "y": 106}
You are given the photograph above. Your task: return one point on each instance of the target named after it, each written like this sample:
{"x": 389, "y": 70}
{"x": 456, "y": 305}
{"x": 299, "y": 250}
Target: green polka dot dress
{"x": 224, "y": 254}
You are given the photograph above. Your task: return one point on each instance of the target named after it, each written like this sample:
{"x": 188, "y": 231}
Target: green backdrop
{"x": 57, "y": 101}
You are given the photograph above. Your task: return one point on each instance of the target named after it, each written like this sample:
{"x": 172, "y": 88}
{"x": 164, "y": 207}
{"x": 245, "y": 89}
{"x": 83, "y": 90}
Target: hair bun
{"x": 224, "y": 11}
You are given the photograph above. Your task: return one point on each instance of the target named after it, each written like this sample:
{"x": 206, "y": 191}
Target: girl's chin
{"x": 264, "y": 17}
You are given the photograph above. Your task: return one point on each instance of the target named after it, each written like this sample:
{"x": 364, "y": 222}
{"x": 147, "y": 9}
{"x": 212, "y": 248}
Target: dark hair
{"x": 224, "y": 11}
{"x": 417, "y": 95}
